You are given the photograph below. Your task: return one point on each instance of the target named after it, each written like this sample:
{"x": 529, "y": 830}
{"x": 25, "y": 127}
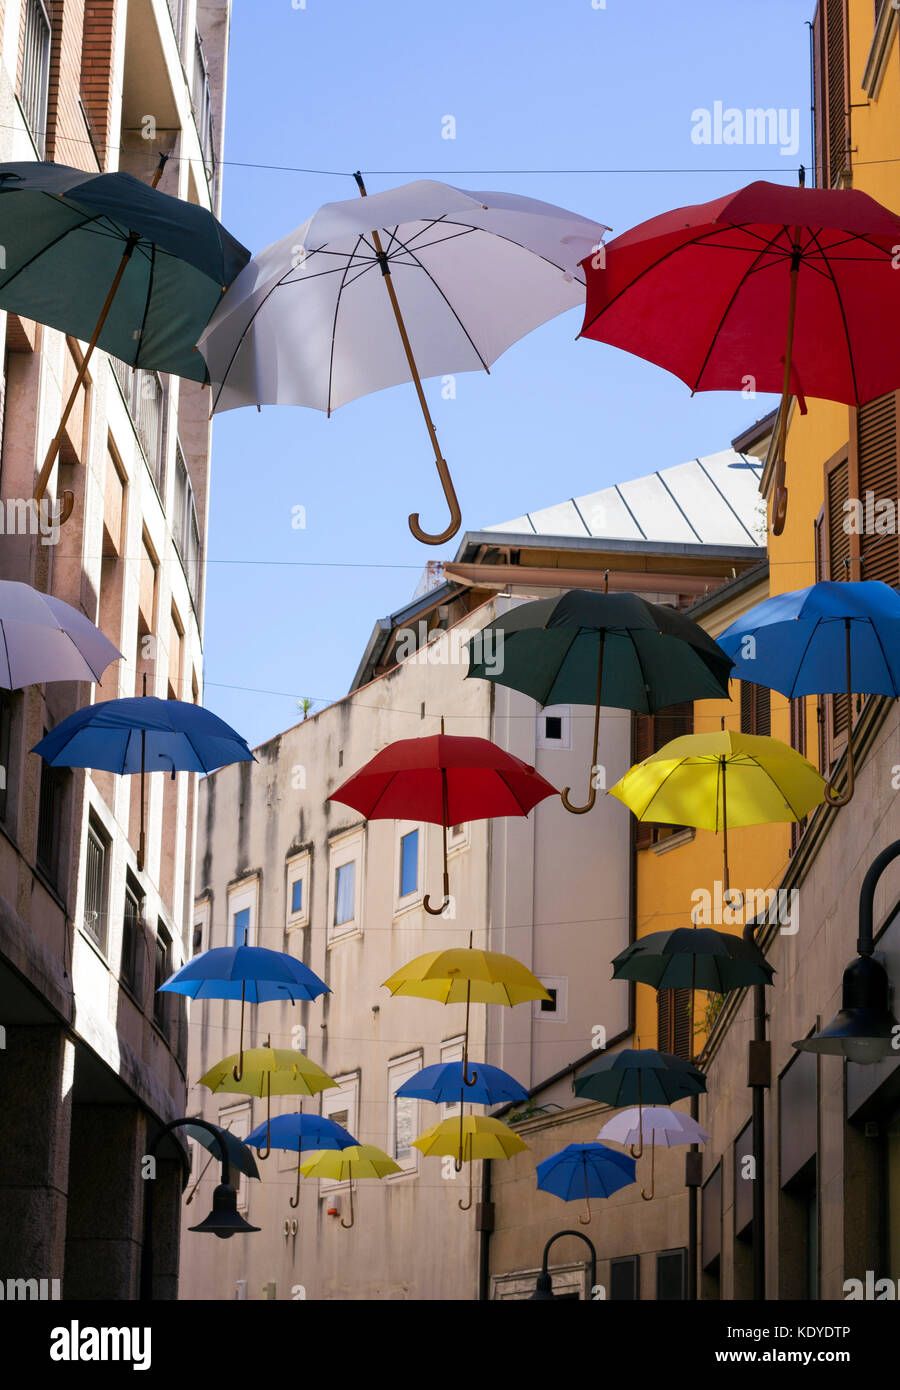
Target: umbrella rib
{"x": 673, "y": 251}
{"x": 140, "y": 340}
{"x": 577, "y": 632}
{"x": 727, "y": 311}
{"x": 883, "y": 653}
{"x": 779, "y": 789}
{"x": 47, "y": 246}
{"x": 434, "y": 282}
{"x": 337, "y": 308}
{"x": 843, "y": 321}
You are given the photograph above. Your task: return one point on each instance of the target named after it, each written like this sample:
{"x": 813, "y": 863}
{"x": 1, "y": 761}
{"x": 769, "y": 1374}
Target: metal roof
{"x": 711, "y": 501}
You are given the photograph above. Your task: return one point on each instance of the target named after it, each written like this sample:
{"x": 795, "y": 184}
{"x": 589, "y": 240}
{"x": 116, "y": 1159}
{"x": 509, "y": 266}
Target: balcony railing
{"x": 36, "y": 71}
{"x": 201, "y": 97}
{"x": 185, "y": 528}
{"x": 145, "y": 396}
{"x": 176, "y": 10}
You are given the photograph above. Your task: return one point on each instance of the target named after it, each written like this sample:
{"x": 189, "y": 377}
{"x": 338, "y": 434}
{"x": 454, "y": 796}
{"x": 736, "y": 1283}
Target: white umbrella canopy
{"x": 43, "y": 639}
{"x": 664, "y": 1127}
{"x": 308, "y": 322}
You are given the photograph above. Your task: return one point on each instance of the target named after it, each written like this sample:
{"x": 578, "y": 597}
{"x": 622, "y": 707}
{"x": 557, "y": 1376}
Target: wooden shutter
{"x": 832, "y": 90}
{"x": 673, "y": 1022}
{"x": 797, "y": 709}
{"x": 840, "y": 550}
{"x": 641, "y": 748}
{"x": 876, "y": 465}
{"x": 756, "y": 709}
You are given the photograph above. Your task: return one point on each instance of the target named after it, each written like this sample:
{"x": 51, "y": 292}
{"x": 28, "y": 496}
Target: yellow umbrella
{"x": 722, "y": 779}
{"x": 478, "y": 1136}
{"x": 269, "y": 1071}
{"x": 343, "y": 1165}
{"x": 463, "y": 975}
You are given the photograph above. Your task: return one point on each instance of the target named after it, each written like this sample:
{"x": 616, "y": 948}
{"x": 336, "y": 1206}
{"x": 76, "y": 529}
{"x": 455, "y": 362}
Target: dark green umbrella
{"x": 693, "y": 958}
{"x": 613, "y": 650}
{"x": 113, "y": 262}
{"x": 640, "y": 1076}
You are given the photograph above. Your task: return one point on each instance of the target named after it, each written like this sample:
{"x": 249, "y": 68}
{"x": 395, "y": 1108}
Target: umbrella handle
{"x": 260, "y": 1153}
{"x": 455, "y": 514}
{"x": 586, "y": 1220}
{"x": 445, "y": 814}
{"x": 347, "y": 1224}
{"x": 592, "y": 796}
{"x": 644, "y": 1195}
{"x": 466, "y": 1206}
{"x": 295, "y": 1200}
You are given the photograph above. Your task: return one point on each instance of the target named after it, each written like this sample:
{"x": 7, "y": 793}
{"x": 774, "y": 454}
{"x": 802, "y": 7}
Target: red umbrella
{"x": 444, "y": 779}
{"x": 782, "y": 289}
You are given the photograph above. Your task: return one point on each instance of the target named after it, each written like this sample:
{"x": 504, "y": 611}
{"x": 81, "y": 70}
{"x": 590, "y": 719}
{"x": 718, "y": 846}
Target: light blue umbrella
{"x": 585, "y": 1170}
{"x": 827, "y": 639}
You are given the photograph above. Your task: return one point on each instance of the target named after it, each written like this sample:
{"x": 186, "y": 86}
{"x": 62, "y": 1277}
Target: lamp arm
{"x": 581, "y": 1236}
{"x": 865, "y": 944}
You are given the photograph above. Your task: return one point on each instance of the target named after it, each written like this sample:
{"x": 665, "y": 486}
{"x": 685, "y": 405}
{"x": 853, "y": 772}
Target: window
{"x": 185, "y": 528}
{"x": 297, "y": 890}
{"x": 241, "y": 922}
{"x": 831, "y": 92}
{"x": 554, "y": 727}
{"x": 711, "y": 1231}
{"x": 47, "y": 855}
{"x": 625, "y": 1277}
{"x": 555, "y": 1008}
{"x": 671, "y": 1274}
{"x": 650, "y": 733}
{"x": 161, "y": 972}
{"x": 132, "y": 938}
{"x": 242, "y": 910}
{"x": 341, "y": 1104}
{"x": 96, "y": 875}
{"x": 201, "y": 932}
{"x": 403, "y": 1112}
{"x": 409, "y": 863}
{"x": 345, "y": 907}
{"x": 451, "y": 1051}
{"x": 202, "y": 102}
{"x": 458, "y": 836}
{"x": 36, "y": 72}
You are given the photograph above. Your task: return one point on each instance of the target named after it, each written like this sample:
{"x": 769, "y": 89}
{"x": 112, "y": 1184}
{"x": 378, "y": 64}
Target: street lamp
{"x": 223, "y": 1221}
{"x": 864, "y": 1030}
{"x": 544, "y": 1286}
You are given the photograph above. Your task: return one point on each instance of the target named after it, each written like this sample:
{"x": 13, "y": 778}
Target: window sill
{"x": 683, "y": 837}
{"x": 402, "y": 909}
{"x": 336, "y": 937}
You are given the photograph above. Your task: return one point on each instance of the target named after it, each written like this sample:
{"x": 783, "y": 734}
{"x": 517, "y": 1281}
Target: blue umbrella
{"x": 143, "y": 734}
{"x": 248, "y": 973}
{"x": 585, "y": 1170}
{"x": 827, "y": 639}
{"x": 298, "y": 1131}
{"x": 444, "y": 1082}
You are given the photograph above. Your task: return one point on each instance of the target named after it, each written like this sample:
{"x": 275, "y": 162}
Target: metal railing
{"x": 145, "y": 396}
{"x": 176, "y": 13}
{"x": 36, "y": 71}
{"x": 201, "y": 97}
{"x": 185, "y": 527}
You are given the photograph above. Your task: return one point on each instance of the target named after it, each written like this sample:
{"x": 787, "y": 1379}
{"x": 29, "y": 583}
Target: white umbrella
{"x": 44, "y": 639}
{"x": 465, "y": 275}
{"x": 666, "y": 1127}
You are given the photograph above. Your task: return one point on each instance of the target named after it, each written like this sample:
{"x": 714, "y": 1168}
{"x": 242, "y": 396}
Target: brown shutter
{"x": 673, "y": 1022}
{"x": 876, "y": 458}
{"x": 756, "y": 709}
{"x": 798, "y": 740}
{"x": 834, "y": 92}
{"x": 840, "y": 550}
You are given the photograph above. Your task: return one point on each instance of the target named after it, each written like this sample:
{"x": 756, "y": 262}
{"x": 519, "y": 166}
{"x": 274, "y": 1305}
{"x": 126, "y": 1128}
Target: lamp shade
{"x": 224, "y": 1220}
{"x": 864, "y": 1030}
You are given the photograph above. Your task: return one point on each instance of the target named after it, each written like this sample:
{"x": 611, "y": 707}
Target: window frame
{"x": 400, "y": 1070}
{"x": 241, "y": 895}
{"x": 452, "y": 1051}
{"x": 347, "y": 1089}
{"x": 297, "y": 870}
{"x": 96, "y": 831}
{"x": 560, "y": 1013}
{"x": 542, "y": 740}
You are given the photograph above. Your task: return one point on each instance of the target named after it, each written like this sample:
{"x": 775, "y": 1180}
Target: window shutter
{"x": 642, "y": 746}
{"x": 673, "y": 1022}
{"x": 876, "y": 451}
{"x": 838, "y": 555}
{"x": 835, "y": 90}
{"x": 756, "y": 709}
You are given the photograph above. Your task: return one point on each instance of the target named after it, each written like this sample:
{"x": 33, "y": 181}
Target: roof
{"x": 711, "y": 501}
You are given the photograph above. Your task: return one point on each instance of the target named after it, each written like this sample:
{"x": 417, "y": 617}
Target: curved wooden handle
{"x": 455, "y": 514}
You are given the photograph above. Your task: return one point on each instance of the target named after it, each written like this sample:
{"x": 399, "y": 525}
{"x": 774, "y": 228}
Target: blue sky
{"x": 336, "y": 85}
